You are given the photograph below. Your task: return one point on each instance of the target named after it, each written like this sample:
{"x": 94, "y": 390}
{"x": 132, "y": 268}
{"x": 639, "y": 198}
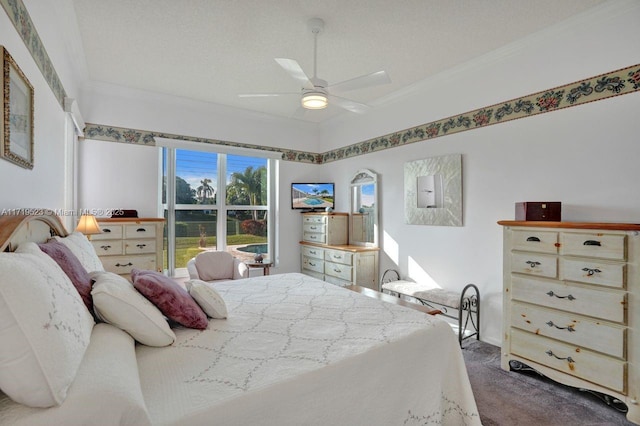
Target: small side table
{"x": 264, "y": 265}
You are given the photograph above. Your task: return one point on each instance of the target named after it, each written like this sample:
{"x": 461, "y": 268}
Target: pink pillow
{"x": 71, "y": 266}
{"x": 172, "y": 300}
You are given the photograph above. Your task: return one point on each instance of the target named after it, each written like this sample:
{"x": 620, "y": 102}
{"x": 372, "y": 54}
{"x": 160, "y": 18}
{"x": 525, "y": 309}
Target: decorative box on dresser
{"x": 128, "y": 243}
{"x": 326, "y": 255}
{"x": 571, "y": 305}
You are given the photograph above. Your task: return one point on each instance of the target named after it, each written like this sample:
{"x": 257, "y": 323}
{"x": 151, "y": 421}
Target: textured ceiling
{"x": 214, "y": 50}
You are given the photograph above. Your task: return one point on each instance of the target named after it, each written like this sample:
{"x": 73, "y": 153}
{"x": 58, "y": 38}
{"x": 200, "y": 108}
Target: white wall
{"x": 44, "y": 185}
{"x": 118, "y": 176}
{"x": 585, "y": 157}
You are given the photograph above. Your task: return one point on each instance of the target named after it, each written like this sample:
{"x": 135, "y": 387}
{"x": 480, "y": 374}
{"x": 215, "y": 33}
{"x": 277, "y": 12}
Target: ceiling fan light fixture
{"x": 314, "y": 100}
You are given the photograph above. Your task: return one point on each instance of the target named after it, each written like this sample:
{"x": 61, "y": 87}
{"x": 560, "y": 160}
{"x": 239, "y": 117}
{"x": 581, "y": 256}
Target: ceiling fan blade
{"x": 300, "y": 113}
{"x": 265, "y": 95}
{"x": 348, "y": 104}
{"x": 293, "y": 68}
{"x": 368, "y": 80}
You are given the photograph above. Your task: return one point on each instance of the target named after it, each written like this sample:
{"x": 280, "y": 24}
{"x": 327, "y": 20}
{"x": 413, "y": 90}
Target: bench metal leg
{"x": 470, "y": 310}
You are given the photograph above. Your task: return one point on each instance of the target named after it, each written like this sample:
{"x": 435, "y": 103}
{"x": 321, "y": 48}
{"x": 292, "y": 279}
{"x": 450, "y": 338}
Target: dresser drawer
{"x": 109, "y": 232}
{"x": 313, "y": 219}
{"x": 338, "y": 256}
{"x": 603, "y": 246}
{"x": 608, "y": 305}
{"x": 599, "y": 336}
{"x": 313, "y": 274}
{"x": 573, "y": 360}
{"x": 314, "y": 227}
{"x": 536, "y": 241}
{"x": 124, "y": 264}
{"x": 338, "y": 270}
{"x": 314, "y": 252}
{"x": 592, "y": 271}
{"x": 336, "y": 281}
{"x": 107, "y": 247}
{"x": 313, "y": 237}
{"x": 534, "y": 264}
{"x": 139, "y": 231}
{"x": 140, "y": 246}
{"x": 313, "y": 264}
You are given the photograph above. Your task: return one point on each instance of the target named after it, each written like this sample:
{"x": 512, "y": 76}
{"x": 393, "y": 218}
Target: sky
{"x": 194, "y": 166}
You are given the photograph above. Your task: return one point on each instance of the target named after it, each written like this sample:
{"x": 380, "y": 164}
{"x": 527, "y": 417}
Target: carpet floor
{"x": 526, "y": 398}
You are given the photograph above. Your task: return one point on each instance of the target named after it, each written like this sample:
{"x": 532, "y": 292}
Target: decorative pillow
{"x": 45, "y": 328}
{"x": 116, "y": 302}
{"x": 208, "y": 298}
{"x": 72, "y": 267}
{"x": 84, "y": 251}
{"x": 170, "y": 298}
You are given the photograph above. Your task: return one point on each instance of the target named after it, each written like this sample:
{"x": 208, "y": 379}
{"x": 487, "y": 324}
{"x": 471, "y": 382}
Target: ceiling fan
{"x": 315, "y": 92}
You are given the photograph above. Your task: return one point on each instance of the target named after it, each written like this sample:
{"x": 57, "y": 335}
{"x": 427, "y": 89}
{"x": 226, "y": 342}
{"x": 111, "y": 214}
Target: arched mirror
{"x": 363, "y": 224}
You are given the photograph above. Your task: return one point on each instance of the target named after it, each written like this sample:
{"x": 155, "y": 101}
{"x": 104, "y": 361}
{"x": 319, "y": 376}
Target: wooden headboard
{"x": 15, "y": 229}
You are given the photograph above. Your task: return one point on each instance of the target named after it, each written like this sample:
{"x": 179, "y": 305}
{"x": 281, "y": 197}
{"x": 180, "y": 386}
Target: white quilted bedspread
{"x": 298, "y": 351}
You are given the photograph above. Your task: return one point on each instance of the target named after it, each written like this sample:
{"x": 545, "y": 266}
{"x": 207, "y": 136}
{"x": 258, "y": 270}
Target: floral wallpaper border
{"x": 615, "y": 83}
{"x": 144, "y": 137}
{"x": 17, "y": 13}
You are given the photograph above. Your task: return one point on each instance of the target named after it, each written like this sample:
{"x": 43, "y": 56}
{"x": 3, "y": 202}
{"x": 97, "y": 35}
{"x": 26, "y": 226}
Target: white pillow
{"x": 45, "y": 328}
{"x": 117, "y": 302}
{"x": 82, "y": 248}
{"x": 208, "y": 298}
{"x": 106, "y": 390}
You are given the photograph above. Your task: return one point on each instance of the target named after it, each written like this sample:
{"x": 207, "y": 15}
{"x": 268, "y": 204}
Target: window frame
{"x": 170, "y": 207}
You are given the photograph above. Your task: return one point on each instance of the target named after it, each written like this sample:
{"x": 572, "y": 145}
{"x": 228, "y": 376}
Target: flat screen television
{"x": 312, "y": 195}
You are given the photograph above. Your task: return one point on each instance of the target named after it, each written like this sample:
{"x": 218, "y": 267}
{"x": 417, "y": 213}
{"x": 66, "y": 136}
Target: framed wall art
{"x": 16, "y": 135}
{"x": 433, "y": 191}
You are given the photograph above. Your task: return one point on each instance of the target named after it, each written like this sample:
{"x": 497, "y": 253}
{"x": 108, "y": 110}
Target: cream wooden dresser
{"x": 128, "y": 243}
{"x": 326, "y": 255}
{"x": 571, "y": 305}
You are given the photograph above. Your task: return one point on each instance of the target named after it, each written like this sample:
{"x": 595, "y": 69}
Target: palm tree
{"x": 251, "y": 182}
{"x": 205, "y": 191}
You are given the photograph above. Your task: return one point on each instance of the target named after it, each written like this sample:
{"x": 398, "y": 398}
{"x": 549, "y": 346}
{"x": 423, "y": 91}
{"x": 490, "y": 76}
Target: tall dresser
{"x": 128, "y": 243}
{"x": 326, "y": 255}
{"x": 571, "y": 305}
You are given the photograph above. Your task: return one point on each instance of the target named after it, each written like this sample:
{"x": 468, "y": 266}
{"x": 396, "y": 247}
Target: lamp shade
{"x": 314, "y": 100}
{"x": 88, "y": 225}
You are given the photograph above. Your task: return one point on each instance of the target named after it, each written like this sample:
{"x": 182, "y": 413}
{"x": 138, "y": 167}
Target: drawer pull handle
{"x": 312, "y": 264}
{"x": 557, "y": 357}
{"x": 568, "y": 328}
{"x": 106, "y": 230}
{"x": 312, "y": 252}
{"x": 140, "y": 246}
{"x": 337, "y": 256}
{"x": 590, "y": 271}
{"x": 592, "y": 243}
{"x": 535, "y": 239}
{"x": 105, "y": 247}
{"x": 313, "y": 227}
{"x": 124, "y": 265}
{"x": 533, "y": 263}
{"x": 337, "y": 271}
{"x": 551, "y": 294}
{"x": 141, "y": 230}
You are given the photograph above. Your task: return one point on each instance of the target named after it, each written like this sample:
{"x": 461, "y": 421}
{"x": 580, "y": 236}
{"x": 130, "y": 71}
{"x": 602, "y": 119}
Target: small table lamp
{"x": 88, "y": 225}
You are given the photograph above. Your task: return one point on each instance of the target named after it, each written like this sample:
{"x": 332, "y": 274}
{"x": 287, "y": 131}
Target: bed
{"x": 293, "y": 350}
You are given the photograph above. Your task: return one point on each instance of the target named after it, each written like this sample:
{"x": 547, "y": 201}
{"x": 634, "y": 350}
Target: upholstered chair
{"x": 212, "y": 266}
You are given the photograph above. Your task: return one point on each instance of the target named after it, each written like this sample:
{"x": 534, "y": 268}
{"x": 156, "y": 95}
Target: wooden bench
{"x": 463, "y": 307}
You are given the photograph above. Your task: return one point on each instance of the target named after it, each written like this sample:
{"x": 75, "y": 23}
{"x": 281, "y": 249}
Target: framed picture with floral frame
{"x": 16, "y": 134}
